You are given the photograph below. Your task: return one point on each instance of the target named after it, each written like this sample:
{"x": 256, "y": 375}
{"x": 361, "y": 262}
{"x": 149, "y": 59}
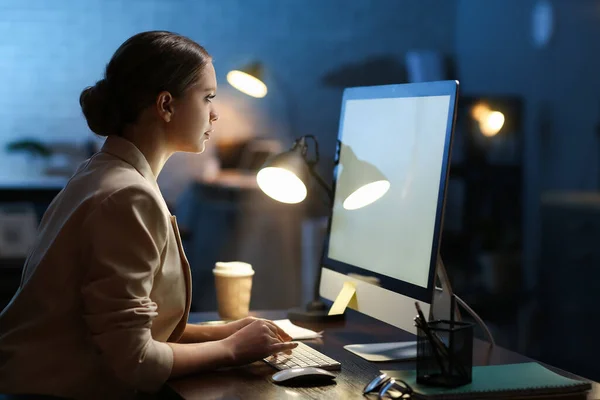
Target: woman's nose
{"x": 214, "y": 116}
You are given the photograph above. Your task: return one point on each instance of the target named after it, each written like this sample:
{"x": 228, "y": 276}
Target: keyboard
{"x": 301, "y": 357}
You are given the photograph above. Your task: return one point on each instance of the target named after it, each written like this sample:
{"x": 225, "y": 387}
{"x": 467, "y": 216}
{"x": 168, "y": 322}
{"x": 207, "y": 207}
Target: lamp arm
{"x": 301, "y": 142}
{"x": 321, "y": 182}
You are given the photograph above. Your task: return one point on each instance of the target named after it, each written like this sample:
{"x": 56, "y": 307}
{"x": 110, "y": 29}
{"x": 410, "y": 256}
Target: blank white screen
{"x": 404, "y": 138}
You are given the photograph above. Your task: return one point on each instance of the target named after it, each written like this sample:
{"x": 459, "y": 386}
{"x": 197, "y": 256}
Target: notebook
{"x": 499, "y": 381}
{"x": 296, "y": 332}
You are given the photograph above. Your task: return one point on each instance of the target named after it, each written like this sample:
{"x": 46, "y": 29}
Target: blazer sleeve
{"x": 126, "y": 235}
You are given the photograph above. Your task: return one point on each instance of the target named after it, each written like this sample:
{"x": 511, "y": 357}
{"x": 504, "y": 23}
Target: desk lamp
{"x": 284, "y": 177}
{"x": 248, "y": 80}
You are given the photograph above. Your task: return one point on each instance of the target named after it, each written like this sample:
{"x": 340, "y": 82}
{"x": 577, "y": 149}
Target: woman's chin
{"x": 199, "y": 146}
{"x": 195, "y": 148}
{"x": 202, "y": 144}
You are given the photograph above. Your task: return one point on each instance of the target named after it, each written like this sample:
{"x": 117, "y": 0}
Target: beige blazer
{"x": 104, "y": 287}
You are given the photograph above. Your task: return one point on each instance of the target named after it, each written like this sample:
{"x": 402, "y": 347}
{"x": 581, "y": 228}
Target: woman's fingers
{"x": 283, "y": 334}
{"x": 275, "y": 329}
{"x": 284, "y": 337}
{"x": 283, "y": 347}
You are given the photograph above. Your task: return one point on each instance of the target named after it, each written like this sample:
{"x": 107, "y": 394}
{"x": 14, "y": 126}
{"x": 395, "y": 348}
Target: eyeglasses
{"x": 384, "y": 385}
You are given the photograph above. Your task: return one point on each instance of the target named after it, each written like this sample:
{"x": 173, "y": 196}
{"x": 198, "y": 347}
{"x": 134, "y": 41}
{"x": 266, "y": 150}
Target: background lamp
{"x": 248, "y": 80}
{"x": 284, "y": 178}
{"x": 490, "y": 121}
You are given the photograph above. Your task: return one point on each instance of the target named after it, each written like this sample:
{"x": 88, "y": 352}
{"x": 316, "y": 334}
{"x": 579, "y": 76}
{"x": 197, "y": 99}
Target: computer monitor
{"x": 389, "y": 248}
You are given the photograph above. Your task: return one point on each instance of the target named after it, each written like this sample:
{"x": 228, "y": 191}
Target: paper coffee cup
{"x": 233, "y": 282}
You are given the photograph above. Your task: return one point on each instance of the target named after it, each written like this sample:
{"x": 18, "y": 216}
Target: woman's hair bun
{"x": 99, "y": 108}
{"x": 142, "y": 67}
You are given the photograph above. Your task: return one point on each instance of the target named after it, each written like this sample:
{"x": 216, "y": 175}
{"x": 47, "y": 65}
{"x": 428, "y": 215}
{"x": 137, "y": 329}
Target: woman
{"x": 102, "y": 308}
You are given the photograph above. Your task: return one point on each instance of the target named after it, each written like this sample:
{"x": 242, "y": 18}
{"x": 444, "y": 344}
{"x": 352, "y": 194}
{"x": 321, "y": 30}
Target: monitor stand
{"x": 406, "y": 351}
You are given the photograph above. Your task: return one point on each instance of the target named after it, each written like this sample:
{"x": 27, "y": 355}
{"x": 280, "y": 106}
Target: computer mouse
{"x": 302, "y": 376}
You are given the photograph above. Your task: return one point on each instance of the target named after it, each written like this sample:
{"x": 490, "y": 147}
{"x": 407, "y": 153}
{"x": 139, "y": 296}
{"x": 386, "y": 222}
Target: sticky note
{"x": 346, "y": 297}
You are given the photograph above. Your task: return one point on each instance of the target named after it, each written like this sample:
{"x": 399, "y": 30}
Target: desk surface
{"x": 252, "y": 381}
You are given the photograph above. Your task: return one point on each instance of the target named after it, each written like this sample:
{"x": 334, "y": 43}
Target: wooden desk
{"x": 252, "y": 381}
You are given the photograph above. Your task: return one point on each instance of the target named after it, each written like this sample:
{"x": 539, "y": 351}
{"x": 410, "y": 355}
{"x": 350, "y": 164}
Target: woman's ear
{"x": 165, "y": 106}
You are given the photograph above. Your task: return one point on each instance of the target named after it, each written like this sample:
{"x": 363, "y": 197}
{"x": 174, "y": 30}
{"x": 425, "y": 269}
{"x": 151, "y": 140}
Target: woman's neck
{"x": 152, "y": 142}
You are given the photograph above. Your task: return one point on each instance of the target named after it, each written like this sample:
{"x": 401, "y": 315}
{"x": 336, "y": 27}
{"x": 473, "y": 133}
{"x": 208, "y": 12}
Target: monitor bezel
{"x": 437, "y": 88}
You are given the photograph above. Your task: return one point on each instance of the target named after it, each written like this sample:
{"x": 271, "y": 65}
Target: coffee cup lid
{"x": 233, "y": 268}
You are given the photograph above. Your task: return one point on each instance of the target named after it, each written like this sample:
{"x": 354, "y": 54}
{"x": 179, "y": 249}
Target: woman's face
{"x": 194, "y": 114}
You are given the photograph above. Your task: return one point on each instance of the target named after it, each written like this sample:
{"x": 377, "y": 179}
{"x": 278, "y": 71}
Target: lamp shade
{"x": 284, "y": 177}
{"x": 248, "y": 80}
{"x": 361, "y": 184}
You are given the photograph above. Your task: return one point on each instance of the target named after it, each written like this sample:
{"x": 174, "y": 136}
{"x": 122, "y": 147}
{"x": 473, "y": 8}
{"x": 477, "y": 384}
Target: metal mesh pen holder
{"x": 445, "y": 355}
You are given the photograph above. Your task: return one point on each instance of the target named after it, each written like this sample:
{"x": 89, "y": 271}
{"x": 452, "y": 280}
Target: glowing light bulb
{"x": 492, "y": 123}
{"x": 281, "y": 185}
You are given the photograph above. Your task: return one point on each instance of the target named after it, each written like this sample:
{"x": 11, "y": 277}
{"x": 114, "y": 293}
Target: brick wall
{"x": 49, "y": 51}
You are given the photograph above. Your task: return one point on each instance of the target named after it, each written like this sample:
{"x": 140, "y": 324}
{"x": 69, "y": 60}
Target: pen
{"x": 425, "y": 328}
{"x": 438, "y": 341}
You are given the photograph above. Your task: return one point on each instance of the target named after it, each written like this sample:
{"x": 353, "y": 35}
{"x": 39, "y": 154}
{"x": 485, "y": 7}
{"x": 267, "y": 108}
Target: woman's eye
{"x": 209, "y": 98}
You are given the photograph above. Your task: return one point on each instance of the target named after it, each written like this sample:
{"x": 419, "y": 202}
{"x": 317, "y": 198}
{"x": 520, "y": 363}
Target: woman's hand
{"x": 202, "y": 333}
{"x": 256, "y": 340}
{"x": 233, "y": 327}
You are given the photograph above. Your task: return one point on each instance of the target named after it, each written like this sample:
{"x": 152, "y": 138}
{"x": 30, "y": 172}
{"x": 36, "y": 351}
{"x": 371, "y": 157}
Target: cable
{"x": 314, "y": 162}
{"x": 477, "y": 318}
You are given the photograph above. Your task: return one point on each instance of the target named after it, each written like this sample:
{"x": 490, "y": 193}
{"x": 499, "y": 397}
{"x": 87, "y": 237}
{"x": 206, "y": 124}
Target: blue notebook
{"x": 499, "y": 381}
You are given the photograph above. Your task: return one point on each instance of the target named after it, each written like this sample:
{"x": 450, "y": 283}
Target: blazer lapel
{"x": 188, "y": 283}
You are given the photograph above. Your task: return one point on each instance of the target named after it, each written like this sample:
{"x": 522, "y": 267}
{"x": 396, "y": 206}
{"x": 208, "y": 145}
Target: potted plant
{"x": 37, "y": 154}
